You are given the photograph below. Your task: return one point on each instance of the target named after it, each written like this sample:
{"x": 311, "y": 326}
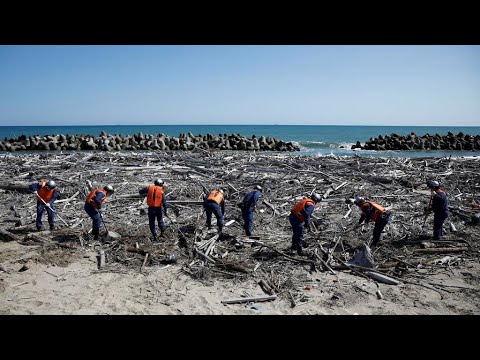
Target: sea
{"x": 314, "y": 140}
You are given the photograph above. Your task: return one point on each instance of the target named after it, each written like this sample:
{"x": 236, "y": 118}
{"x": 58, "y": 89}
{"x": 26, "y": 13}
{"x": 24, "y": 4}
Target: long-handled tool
{"x": 110, "y": 234}
{"x": 38, "y": 196}
{"x": 103, "y": 222}
{"x": 180, "y": 231}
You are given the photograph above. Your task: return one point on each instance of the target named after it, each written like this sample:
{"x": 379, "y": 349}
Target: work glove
{"x": 48, "y": 205}
{"x": 426, "y": 209}
{"x": 308, "y": 228}
{"x": 35, "y": 192}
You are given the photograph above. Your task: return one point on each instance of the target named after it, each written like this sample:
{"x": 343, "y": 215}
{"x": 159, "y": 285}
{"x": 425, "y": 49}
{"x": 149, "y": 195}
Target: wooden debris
{"x": 250, "y": 299}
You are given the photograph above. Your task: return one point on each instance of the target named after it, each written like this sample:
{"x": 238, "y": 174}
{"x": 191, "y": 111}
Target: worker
{"x": 157, "y": 203}
{"x": 46, "y": 193}
{"x": 215, "y": 203}
{"x": 93, "y": 205}
{"x": 248, "y": 206}
{"x": 373, "y": 212}
{"x": 439, "y": 206}
{"x": 299, "y": 214}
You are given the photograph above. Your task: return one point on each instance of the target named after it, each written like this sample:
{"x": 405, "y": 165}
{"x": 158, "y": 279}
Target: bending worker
{"x": 373, "y": 212}
{"x": 93, "y": 205}
{"x": 439, "y": 206}
{"x": 300, "y": 213}
{"x": 215, "y": 203}
{"x": 248, "y": 208}
{"x": 157, "y": 202}
{"x": 46, "y": 195}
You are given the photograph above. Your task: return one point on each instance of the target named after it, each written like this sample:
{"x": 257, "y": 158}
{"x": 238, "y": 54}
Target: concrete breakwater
{"x": 425, "y": 142}
{"x": 140, "y": 141}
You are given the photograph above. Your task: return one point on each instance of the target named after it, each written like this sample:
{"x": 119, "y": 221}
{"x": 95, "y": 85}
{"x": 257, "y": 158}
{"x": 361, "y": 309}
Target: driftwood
{"x": 440, "y": 250}
{"x": 250, "y": 299}
{"x": 395, "y": 183}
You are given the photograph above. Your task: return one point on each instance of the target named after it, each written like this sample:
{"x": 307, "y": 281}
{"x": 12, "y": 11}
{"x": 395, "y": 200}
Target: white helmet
{"x": 158, "y": 182}
{"x": 433, "y": 184}
{"x": 258, "y": 187}
{"x": 108, "y": 189}
{"x": 316, "y": 197}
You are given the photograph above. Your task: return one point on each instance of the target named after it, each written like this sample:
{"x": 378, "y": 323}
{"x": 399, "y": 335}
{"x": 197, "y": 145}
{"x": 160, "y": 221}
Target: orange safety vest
{"x": 155, "y": 196}
{"x": 44, "y": 193}
{"x": 378, "y": 209}
{"x": 300, "y": 206}
{"x": 92, "y": 195}
{"x": 216, "y": 196}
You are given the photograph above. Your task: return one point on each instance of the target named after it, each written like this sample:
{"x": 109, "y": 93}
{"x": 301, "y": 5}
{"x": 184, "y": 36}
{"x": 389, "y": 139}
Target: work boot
{"x": 52, "y": 227}
{"x": 300, "y": 251}
{"x": 95, "y": 235}
{"x": 40, "y": 228}
{"x": 220, "y": 228}
{"x": 154, "y": 237}
{"x": 209, "y": 226}
{"x": 162, "y": 233}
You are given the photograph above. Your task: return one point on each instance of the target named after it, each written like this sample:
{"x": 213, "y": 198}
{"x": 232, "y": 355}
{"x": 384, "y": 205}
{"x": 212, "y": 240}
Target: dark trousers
{"x": 380, "y": 223}
{"x": 247, "y": 215}
{"x": 155, "y": 213}
{"x": 438, "y": 219}
{"x": 214, "y": 208}
{"x": 40, "y": 208}
{"x": 297, "y": 238}
{"x": 93, "y": 213}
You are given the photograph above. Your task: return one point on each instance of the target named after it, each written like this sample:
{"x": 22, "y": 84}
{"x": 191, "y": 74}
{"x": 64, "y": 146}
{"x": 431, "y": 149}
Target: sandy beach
{"x": 56, "y": 272}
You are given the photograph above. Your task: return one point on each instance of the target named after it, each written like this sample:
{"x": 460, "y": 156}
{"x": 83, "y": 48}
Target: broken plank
{"x": 250, "y": 299}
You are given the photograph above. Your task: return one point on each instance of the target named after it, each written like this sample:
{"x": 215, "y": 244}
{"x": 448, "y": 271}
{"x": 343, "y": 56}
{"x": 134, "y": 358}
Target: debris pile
{"x": 406, "y": 254}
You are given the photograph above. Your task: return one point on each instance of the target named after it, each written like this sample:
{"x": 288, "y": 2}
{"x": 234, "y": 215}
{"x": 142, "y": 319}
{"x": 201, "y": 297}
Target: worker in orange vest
{"x": 46, "y": 193}
{"x": 373, "y": 212}
{"x": 299, "y": 214}
{"x": 93, "y": 205}
{"x": 157, "y": 203}
{"x": 215, "y": 203}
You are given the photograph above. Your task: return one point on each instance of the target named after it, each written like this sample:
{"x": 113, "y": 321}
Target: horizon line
{"x": 239, "y": 125}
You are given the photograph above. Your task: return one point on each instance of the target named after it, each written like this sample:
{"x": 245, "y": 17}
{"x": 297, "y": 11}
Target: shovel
{"x": 110, "y": 234}
{"x": 38, "y": 196}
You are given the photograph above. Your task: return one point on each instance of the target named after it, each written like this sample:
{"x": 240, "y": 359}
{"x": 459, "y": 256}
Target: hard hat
{"x": 258, "y": 187}
{"x": 50, "y": 184}
{"x": 433, "y": 184}
{"x": 316, "y": 197}
{"x": 158, "y": 182}
{"x": 221, "y": 191}
{"x": 358, "y": 200}
{"x": 108, "y": 189}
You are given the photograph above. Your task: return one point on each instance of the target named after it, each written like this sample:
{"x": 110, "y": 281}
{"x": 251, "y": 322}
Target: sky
{"x": 239, "y": 84}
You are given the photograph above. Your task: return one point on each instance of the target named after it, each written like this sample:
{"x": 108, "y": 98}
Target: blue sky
{"x": 324, "y": 85}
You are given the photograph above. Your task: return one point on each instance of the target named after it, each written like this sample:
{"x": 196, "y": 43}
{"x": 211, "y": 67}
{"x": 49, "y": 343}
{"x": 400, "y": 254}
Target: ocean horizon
{"x": 315, "y": 140}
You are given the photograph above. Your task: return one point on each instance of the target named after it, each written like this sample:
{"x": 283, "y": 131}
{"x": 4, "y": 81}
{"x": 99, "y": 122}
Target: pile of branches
{"x": 396, "y": 183}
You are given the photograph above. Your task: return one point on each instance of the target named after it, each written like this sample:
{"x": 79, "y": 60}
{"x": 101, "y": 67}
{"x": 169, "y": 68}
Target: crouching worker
{"x": 93, "y": 205}
{"x": 46, "y": 195}
{"x": 300, "y": 213}
{"x": 214, "y": 203}
{"x": 157, "y": 203}
{"x": 373, "y": 212}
